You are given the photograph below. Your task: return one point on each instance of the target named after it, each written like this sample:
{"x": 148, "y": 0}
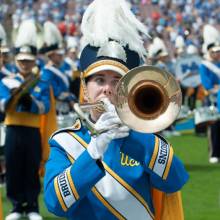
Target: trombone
{"x": 148, "y": 100}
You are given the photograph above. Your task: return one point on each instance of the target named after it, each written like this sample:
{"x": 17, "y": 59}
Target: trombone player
{"x": 89, "y": 172}
{"x": 23, "y": 98}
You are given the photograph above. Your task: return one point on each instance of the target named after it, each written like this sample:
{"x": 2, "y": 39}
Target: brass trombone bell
{"x": 148, "y": 99}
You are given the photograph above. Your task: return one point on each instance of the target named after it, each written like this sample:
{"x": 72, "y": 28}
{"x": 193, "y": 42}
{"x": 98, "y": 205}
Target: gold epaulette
{"x": 76, "y": 127}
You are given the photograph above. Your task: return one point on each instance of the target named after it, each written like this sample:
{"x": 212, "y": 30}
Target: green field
{"x": 201, "y": 195}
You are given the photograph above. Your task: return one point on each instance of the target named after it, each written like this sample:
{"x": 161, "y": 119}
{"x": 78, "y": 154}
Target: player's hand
{"x": 112, "y": 128}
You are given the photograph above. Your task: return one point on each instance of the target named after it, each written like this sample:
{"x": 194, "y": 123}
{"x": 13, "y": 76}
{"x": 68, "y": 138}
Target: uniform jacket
{"x": 118, "y": 187}
{"x": 57, "y": 79}
{"x": 208, "y": 77}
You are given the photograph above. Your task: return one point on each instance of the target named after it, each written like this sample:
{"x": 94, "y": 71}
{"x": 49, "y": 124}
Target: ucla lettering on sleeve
{"x": 162, "y": 159}
{"x": 63, "y": 190}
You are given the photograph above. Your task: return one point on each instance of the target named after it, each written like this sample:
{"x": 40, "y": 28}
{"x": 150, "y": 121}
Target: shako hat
{"x": 53, "y": 40}
{"x": 211, "y": 38}
{"x": 157, "y": 48}
{"x": 26, "y": 40}
{"x": 112, "y": 38}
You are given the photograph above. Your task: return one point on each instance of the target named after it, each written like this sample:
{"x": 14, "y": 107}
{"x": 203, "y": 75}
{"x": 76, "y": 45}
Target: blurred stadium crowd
{"x": 166, "y": 19}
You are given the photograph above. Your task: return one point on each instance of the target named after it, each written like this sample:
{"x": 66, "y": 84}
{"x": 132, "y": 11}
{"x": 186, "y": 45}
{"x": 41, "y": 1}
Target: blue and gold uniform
{"x": 56, "y": 78}
{"x": 208, "y": 76}
{"x": 118, "y": 187}
{"x": 59, "y": 83}
{"x": 53, "y": 72}
{"x": 23, "y": 141}
{"x": 111, "y": 175}
{"x": 16, "y": 111}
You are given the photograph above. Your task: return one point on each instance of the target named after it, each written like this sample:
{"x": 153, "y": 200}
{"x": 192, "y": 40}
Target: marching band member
{"x": 23, "y": 98}
{"x": 186, "y": 71}
{"x": 210, "y": 77}
{"x": 52, "y": 71}
{"x": 111, "y": 175}
{"x": 158, "y": 52}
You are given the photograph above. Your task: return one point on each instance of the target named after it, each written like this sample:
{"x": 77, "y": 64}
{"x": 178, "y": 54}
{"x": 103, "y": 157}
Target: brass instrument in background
{"x": 148, "y": 99}
{"x": 30, "y": 81}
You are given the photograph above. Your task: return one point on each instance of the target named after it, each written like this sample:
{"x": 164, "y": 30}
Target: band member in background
{"x": 159, "y": 53}
{"x": 210, "y": 76}
{"x": 23, "y": 98}
{"x": 52, "y": 71}
{"x": 89, "y": 172}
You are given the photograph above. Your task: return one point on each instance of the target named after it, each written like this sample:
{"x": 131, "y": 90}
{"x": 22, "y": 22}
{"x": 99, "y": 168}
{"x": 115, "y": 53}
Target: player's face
{"x": 102, "y": 85}
{"x": 25, "y": 66}
{"x": 56, "y": 58}
{"x": 215, "y": 55}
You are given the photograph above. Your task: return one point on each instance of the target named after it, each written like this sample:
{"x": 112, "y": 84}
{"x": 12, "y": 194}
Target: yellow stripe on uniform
{"x": 101, "y": 199}
{"x": 58, "y": 193}
{"x": 154, "y": 156}
{"x": 129, "y": 188}
{"x": 168, "y": 163}
{"x": 72, "y": 185}
{"x": 80, "y": 140}
{"x": 107, "y": 205}
{"x": 71, "y": 159}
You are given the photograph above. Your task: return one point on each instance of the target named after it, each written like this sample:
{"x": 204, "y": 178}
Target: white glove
{"x": 110, "y": 122}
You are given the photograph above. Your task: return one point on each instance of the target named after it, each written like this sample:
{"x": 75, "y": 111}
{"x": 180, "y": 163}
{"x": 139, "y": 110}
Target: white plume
{"x": 151, "y": 50}
{"x": 113, "y": 19}
{"x": 27, "y": 34}
{"x": 210, "y": 34}
{"x": 71, "y": 42}
{"x": 3, "y": 36}
{"x": 179, "y": 42}
{"x": 40, "y": 35}
{"x": 159, "y": 44}
{"x": 52, "y": 34}
{"x": 156, "y": 46}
